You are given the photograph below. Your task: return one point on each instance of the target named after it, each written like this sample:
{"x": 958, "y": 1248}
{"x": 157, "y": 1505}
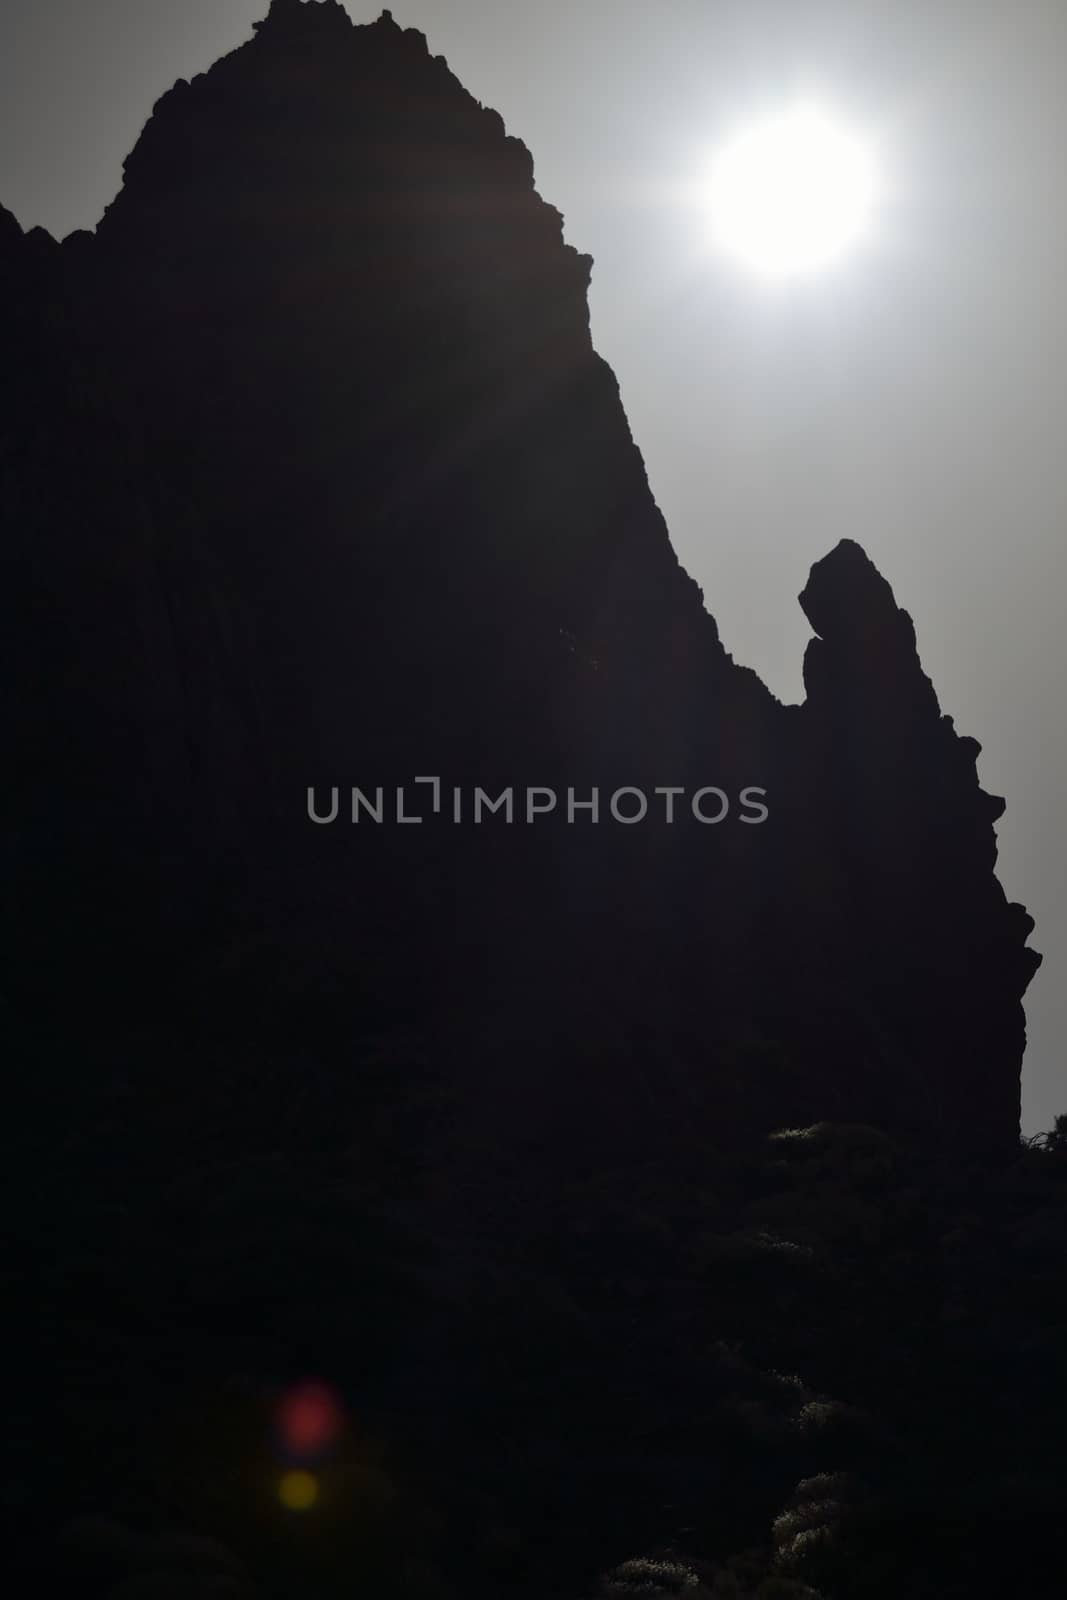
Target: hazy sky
{"x": 914, "y": 399}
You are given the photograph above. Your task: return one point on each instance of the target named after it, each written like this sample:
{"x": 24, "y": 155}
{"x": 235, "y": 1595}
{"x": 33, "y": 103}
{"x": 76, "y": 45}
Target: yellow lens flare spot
{"x": 298, "y": 1490}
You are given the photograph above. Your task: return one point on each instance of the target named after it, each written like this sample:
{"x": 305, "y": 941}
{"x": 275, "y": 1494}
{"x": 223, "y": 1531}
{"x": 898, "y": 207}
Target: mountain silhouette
{"x": 500, "y": 1104}
{"x": 314, "y": 480}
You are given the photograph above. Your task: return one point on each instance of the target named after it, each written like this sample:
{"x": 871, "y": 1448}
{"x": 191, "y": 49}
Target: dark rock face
{"x": 312, "y": 477}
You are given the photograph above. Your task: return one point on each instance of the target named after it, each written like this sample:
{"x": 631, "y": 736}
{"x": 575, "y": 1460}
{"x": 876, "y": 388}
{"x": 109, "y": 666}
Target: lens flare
{"x": 309, "y": 1419}
{"x": 298, "y": 1490}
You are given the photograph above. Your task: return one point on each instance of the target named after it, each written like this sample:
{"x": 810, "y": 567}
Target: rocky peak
{"x": 312, "y": 440}
{"x": 846, "y": 595}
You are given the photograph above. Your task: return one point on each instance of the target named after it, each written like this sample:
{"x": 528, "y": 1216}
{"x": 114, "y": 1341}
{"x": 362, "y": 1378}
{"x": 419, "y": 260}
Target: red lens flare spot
{"x": 310, "y": 1418}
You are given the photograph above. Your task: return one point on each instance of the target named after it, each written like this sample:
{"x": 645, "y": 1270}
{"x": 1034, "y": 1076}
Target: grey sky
{"x": 914, "y": 399}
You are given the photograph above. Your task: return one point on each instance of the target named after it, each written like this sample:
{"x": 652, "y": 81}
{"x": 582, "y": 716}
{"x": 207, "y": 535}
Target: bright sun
{"x": 791, "y": 194}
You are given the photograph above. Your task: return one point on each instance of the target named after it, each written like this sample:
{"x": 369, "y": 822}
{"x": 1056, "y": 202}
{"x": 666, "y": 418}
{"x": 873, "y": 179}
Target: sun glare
{"x": 791, "y": 194}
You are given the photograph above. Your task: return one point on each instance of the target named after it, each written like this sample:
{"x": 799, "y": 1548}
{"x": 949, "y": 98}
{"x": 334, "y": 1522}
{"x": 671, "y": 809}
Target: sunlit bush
{"x": 649, "y": 1577}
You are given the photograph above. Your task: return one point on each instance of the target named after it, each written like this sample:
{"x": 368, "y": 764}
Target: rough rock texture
{"x": 311, "y": 476}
